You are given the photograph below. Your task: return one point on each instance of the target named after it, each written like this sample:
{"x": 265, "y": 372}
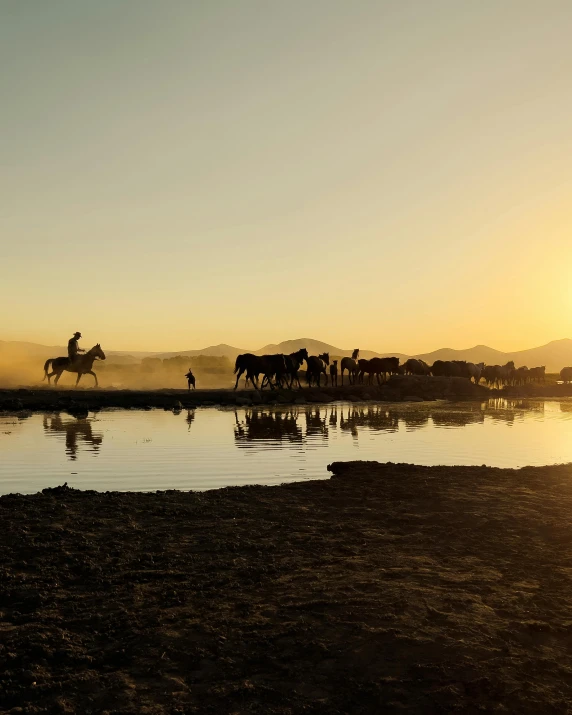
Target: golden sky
{"x": 384, "y": 174}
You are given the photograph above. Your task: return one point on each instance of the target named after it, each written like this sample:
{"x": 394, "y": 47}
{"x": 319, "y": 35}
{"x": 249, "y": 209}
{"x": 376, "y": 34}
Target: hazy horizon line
{"x": 369, "y": 349}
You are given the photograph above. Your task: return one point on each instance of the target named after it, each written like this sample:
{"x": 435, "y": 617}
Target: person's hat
{"x": 77, "y": 335}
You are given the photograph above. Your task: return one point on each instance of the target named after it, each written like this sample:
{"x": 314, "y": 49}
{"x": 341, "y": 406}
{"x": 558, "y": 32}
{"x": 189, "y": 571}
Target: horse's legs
{"x": 238, "y": 377}
{"x": 89, "y": 372}
{"x": 78, "y": 378}
{"x": 57, "y": 377}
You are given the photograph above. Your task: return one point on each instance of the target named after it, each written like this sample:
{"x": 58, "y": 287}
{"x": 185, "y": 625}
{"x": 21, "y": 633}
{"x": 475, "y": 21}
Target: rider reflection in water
{"x": 74, "y": 348}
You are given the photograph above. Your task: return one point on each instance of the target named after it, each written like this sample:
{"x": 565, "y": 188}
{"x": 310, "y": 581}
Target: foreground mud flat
{"x": 387, "y": 588}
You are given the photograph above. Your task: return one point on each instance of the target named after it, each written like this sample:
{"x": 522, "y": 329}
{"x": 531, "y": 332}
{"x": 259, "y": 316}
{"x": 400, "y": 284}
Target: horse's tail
{"x": 238, "y": 363}
{"x": 46, "y": 366}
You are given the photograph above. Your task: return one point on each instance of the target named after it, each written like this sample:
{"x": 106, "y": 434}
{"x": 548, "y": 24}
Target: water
{"x": 208, "y": 448}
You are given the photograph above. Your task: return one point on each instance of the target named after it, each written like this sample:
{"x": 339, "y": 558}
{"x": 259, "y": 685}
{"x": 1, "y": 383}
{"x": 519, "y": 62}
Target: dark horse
{"x": 294, "y": 362}
{"x": 268, "y": 366}
{"x": 82, "y": 365}
{"x": 316, "y": 366}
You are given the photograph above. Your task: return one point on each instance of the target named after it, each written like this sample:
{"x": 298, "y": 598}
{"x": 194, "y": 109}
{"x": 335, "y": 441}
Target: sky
{"x": 394, "y": 175}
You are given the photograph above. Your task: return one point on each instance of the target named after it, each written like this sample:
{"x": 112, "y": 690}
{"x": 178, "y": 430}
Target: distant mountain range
{"x": 553, "y": 355}
{"x": 314, "y": 347}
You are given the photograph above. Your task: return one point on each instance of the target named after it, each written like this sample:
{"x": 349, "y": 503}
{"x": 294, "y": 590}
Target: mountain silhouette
{"x": 554, "y": 355}
{"x": 315, "y": 347}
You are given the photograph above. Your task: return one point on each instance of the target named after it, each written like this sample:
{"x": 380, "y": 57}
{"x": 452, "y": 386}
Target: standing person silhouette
{"x": 73, "y": 347}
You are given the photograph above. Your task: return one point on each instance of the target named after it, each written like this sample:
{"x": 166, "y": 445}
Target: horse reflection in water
{"x": 380, "y": 419}
{"x": 281, "y": 425}
{"x": 500, "y": 409}
{"x": 267, "y": 426}
{"x": 333, "y": 420}
{"x": 316, "y": 424}
{"x": 75, "y": 430}
{"x": 190, "y": 418}
{"x": 449, "y": 418}
{"x": 415, "y": 419}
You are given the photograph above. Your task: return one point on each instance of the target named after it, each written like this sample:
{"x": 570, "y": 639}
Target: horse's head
{"x": 303, "y": 354}
{"x": 97, "y": 352}
{"x": 325, "y": 357}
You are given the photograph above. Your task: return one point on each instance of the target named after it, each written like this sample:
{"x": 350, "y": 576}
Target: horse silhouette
{"x": 82, "y": 365}
{"x": 269, "y": 366}
{"x": 334, "y": 373}
{"x": 294, "y": 362}
{"x": 316, "y": 367}
{"x": 351, "y": 366}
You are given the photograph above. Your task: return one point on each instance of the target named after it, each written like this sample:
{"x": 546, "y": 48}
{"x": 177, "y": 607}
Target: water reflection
{"x": 510, "y": 411}
{"x": 78, "y": 429}
{"x": 442, "y": 418}
{"x": 267, "y": 426}
{"x": 316, "y": 422}
{"x": 373, "y": 417}
{"x": 279, "y": 425}
{"x": 320, "y": 424}
{"x": 148, "y": 450}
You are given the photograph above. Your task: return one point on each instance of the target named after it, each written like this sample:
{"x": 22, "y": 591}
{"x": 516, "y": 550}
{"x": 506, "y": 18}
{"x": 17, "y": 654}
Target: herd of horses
{"x": 282, "y": 371}
{"x": 279, "y": 370}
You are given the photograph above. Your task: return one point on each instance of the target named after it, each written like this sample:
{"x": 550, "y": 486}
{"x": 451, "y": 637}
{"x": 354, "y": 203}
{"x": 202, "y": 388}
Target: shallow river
{"x": 207, "y": 447}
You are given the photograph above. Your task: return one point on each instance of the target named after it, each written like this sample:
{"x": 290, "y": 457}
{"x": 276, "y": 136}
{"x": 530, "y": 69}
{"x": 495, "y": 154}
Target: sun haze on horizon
{"x": 390, "y": 175}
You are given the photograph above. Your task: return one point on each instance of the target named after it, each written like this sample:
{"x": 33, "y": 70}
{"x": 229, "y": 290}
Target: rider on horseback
{"x": 73, "y": 348}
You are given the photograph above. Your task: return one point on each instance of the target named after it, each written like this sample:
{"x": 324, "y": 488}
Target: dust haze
{"x": 24, "y": 367}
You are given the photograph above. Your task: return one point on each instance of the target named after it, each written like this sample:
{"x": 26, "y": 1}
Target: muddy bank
{"x": 388, "y": 588}
{"x": 397, "y": 389}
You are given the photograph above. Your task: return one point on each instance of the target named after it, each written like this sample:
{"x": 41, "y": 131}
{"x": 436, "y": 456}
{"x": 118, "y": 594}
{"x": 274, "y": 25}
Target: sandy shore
{"x": 387, "y": 588}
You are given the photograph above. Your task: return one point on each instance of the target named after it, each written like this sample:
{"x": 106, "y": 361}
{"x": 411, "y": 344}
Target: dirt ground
{"x": 397, "y": 389}
{"x": 385, "y": 589}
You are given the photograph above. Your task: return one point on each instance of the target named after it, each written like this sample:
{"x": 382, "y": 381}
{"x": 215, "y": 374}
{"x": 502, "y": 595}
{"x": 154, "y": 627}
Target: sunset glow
{"x": 378, "y": 174}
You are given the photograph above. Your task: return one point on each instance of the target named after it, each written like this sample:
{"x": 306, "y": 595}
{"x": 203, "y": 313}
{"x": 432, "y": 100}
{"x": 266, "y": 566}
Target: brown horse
{"x": 82, "y": 365}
